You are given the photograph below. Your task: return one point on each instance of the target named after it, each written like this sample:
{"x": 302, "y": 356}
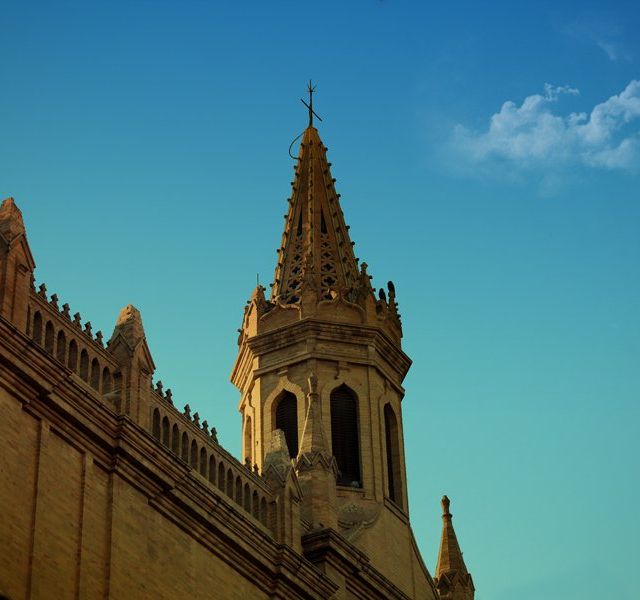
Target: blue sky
{"x": 488, "y": 157}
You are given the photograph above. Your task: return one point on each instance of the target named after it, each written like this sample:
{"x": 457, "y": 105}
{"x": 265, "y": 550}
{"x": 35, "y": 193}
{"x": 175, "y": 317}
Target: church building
{"x": 108, "y": 490}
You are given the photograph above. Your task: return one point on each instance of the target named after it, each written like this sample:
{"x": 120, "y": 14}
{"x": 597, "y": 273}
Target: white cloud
{"x": 606, "y": 33}
{"x": 533, "y": 135}
{"x": 610, "y": 49}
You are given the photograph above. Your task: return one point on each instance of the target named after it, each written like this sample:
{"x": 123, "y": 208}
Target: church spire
{"x": 316, "y": 253}
{"x": 452, "y": 578}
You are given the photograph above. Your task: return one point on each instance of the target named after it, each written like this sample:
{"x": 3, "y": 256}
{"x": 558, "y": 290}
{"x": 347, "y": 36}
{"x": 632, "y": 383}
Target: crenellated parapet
{"x": 189, "y": 440}
{"x": 71, "y": 342}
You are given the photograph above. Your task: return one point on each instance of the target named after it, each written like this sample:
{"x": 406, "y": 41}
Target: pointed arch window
{"x": 48, "y": 337}
{"x": 95, "y": 374}
{"x": 248, "y": 440}
{"x": 392, "y": 440}
{"x": 84, "y": 365}
{"x": 287, "y": 420}
{"x": 184, "y": 447}
{"x": 165, "y": 431}
{"x": 61, "y": 346}
{"x": 345, "y": 439}
{"x": 175, "y": 439}
{"x": 156, "y": 424}
{"x": 37, "y": 328}
{"x": 194, "y": 454}
{"x": 203, "y": 462}
{"x": 72, "y": 359}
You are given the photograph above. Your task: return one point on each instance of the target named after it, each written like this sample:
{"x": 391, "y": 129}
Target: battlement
{"x": 117, "y": 372}
{"x": 75, "y": 347}
{"x": 186, "y": 438}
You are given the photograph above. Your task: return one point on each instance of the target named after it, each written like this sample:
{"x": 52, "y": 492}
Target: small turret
{"x": 316, "y": 467}
{"x": 128, "y": 345}
{"x": 16, "y": 265}
{"x": 452, "y": 579}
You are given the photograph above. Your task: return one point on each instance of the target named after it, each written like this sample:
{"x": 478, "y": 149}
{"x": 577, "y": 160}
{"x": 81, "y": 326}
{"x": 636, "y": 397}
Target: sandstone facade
{"x": 108, "y": 491}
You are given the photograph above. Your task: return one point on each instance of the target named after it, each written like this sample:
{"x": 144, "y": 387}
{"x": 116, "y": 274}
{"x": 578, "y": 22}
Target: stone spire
{"x": 316, "y": 252}
{"x": 452, "y": 579}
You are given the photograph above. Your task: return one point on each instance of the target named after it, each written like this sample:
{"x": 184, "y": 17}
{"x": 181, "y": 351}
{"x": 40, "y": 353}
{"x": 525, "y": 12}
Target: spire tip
{"x": 445, "y": 506}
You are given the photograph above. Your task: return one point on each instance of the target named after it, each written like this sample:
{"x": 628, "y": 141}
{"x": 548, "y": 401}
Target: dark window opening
{"x": 345, "y": 441}
{"x": 394, "y": 478}
{"x": 287, "y": 420}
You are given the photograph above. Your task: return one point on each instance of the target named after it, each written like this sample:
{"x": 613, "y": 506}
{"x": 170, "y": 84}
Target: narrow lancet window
{"x": 156, "y": 424}
{"x": 37, "y": 328}
{"x": 248, "y": 440}
{"x": 287, "y": 420}
{"x": 72, "y": 360}
{"x": 84, "y": 365}
{"x": 48, "y": 337}
{"x": 61, "y": 347}
{"x": 394, "y": 478}
{"x": 345, "y": 442}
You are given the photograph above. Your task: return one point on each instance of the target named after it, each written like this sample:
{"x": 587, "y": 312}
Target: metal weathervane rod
{"x": 312, "y": 113}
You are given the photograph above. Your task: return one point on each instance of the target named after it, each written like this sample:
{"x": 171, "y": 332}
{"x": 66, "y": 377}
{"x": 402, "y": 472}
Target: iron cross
{"x": 311, "y": 89}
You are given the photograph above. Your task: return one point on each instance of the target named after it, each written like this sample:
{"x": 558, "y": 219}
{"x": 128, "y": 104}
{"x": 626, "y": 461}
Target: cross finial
{"x": 311, "y": 88}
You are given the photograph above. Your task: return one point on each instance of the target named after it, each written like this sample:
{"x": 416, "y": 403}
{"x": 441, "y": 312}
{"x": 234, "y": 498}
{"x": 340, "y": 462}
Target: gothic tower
{"x": 321, "y": 361}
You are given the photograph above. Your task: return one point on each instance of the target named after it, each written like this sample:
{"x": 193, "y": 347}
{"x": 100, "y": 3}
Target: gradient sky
{"x": 488, "y": 157}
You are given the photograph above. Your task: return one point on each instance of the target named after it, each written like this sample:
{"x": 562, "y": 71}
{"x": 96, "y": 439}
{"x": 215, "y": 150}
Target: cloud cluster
{"x": 532, "y": 135}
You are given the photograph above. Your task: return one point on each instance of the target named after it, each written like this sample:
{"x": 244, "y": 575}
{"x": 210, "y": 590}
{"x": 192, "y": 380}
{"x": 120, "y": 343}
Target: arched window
{"x": 184, "y": 455}
{"x": 239, "y": 490}
{"x": 203, "y": 462}
{"x": 194, "y": 454}
{"x": 263, "y": 511}
{"x": 61, "y": 346}
{"x": 48, "y": 337}
{"x": 84, "y": 365}
{"x": 95, "y": 374}
{"x": 247, "y": 497}
{"x": 394, "y": 477}
{"x": 230, "y": 483}
{"x": 37, "y": 328}
{"x": 287, "y": 420}
{"x": 106, "y": 381}
{"x": 165, "y": 431}
{"x": 221, "y": 475}
{"x": 345, "y": 441}
{"x": 256, "y": 505}
{"x": 156, "y": 424}
{"x": 248, "y": 443}
{"x": 212, "y": 469}
{"x": 175, "y": 440}
{"x": 72, "y": 359}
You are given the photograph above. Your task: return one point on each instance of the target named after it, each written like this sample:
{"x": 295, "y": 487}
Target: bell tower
{"x": 321, "y": 360}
